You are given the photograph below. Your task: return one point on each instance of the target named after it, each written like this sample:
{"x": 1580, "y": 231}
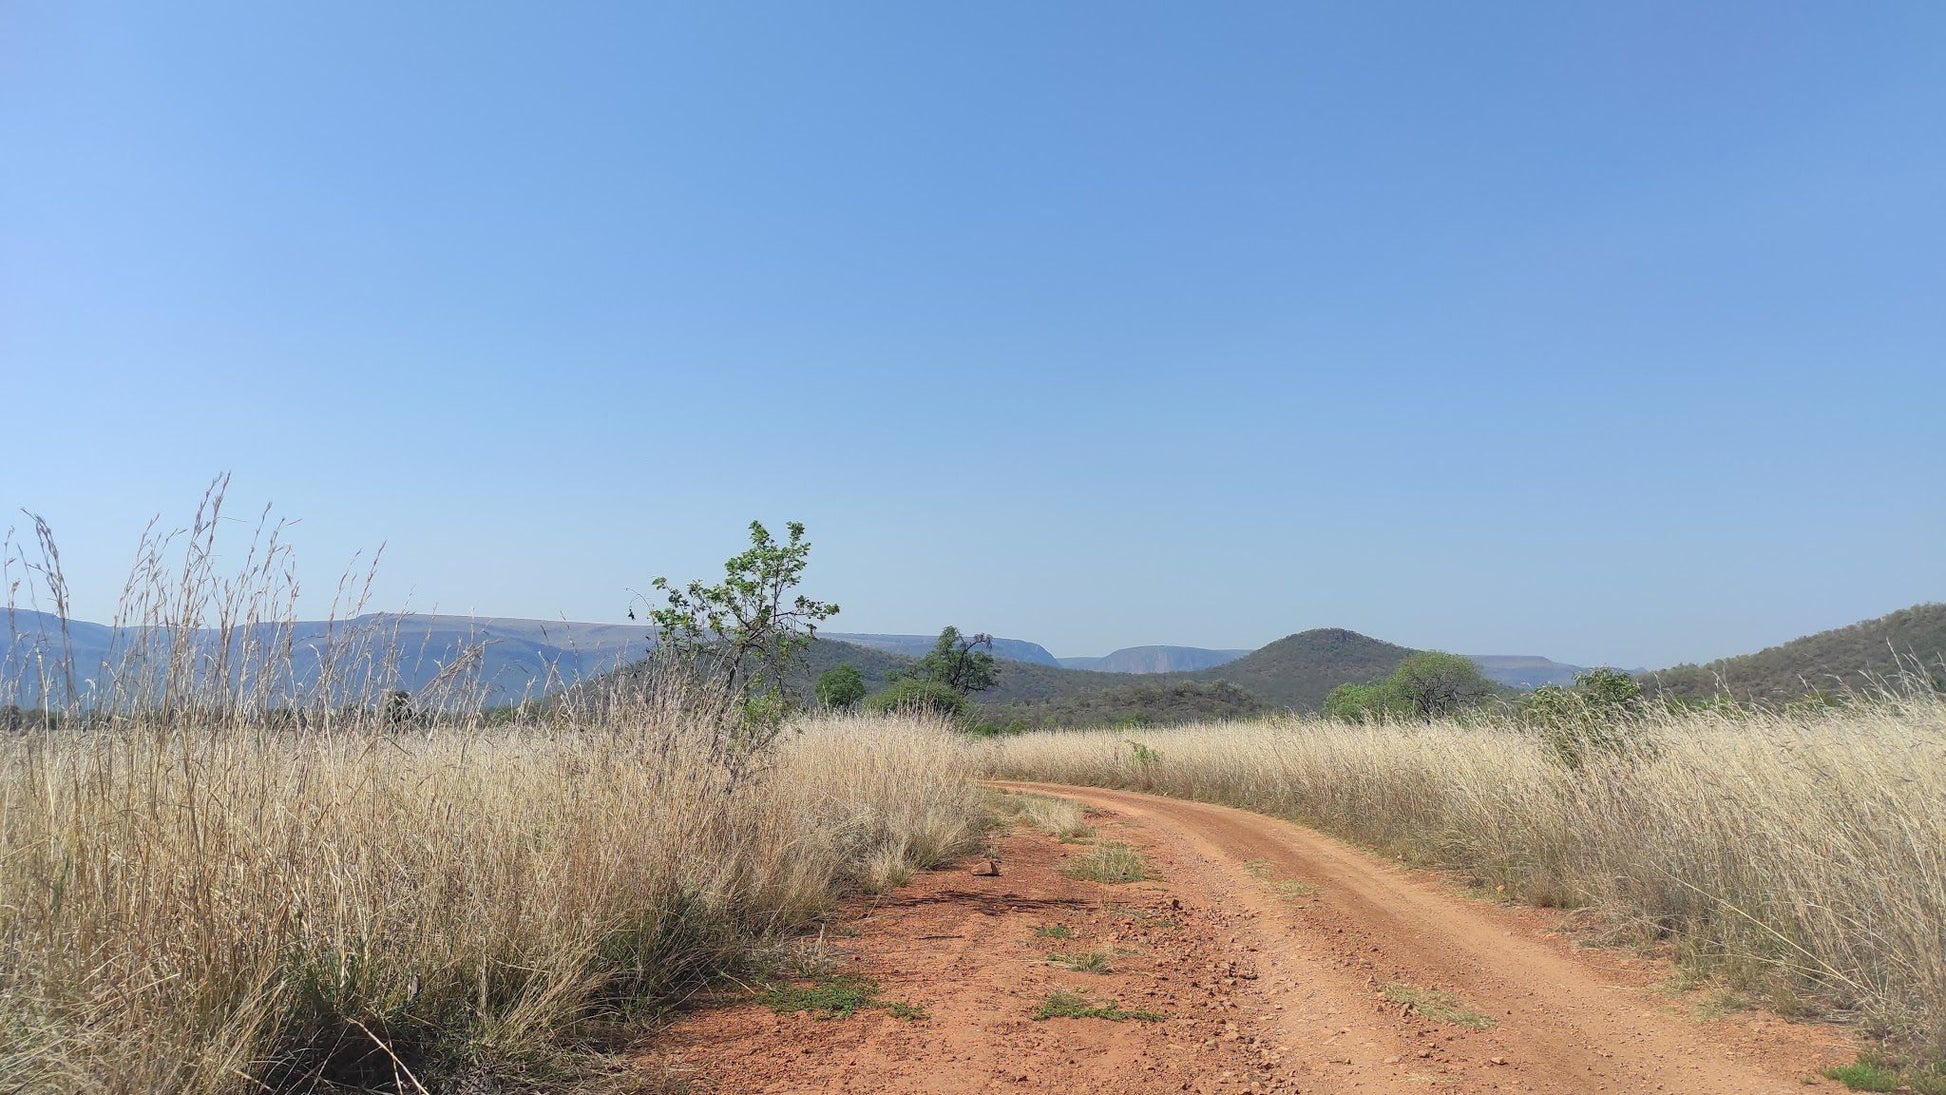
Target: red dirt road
{"x": 1282, "y": 960}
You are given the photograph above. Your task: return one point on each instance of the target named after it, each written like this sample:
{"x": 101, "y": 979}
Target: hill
{"x": 824, "y": 654}
{"x": 1525, "y": 671}
{"x": 1297, "y": 671}
{"x": 1911, "y": 640}
{"x": 1155, "y": 659}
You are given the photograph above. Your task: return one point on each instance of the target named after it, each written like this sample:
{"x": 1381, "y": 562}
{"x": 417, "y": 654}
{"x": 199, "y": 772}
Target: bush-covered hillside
{"x": 1299, "y": 671}
{"x": 1909, "y": 641}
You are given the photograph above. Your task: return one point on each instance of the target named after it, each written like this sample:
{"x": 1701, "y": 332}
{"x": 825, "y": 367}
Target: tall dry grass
{"x": 225, "y": 871}
{"x": 214, "y": 910}
{"x": 1800, "y": 856}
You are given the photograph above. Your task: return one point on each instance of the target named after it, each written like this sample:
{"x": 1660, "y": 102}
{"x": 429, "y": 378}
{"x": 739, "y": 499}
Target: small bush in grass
{"x": 1863, "y": 1075}
{"x": 914, "y": 697}
{"x": 838, "y": 997}
{"x": 1062, "y": 1004}
{"x": 1876, "y": 1070}
{"x": 1598, "y": 716}
{"x": 840, "y": 688}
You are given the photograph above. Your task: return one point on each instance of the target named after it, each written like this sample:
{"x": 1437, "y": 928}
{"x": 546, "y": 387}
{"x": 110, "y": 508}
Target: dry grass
{"x": 191, "y": 910}
{"x": 1798, "y": 856}
{"x": 1061, "y": 818}
{"x": 219, "y": 873}
{"x": 1108, "y": 862}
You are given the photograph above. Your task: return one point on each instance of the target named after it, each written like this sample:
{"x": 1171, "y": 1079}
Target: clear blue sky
{"x": 1612, "y": 332}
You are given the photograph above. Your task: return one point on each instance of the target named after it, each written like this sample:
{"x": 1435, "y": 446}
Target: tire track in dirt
{"x": 1333, "y": 927}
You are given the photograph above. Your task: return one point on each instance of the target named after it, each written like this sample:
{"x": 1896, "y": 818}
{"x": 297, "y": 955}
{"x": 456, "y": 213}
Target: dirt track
{"x": 1284, "y": 961}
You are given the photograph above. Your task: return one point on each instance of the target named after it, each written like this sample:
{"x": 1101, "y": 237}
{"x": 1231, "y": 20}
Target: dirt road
{"x": 1278, "y": 960}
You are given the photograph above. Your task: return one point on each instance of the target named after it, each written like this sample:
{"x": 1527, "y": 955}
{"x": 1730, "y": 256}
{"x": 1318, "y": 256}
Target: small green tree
{"x": 1372, "y": 701}
{"x": 840, "y": 688}
{"x": 1610, "y": 691}
{"x": 1433, "y": 684}
{"x": 963, "y": 663}
{"x": 1593, "y": 717}
{"x": 742, "y": 634}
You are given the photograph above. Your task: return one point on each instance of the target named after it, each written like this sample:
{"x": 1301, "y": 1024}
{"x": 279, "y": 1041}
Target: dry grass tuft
{"x": 1062, "y": 818}
{"x": 1108, "y": 862}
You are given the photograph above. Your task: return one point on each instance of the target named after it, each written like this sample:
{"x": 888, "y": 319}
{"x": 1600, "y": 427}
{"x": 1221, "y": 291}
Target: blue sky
{"x": 1615, "y": 333}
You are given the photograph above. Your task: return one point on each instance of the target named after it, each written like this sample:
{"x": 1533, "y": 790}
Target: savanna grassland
{"x": 232, "y": 905}
{"x": 211, "y": 883}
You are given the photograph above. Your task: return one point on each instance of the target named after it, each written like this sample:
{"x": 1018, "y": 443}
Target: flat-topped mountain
{"x": 1155, "y": 659}
{"x": 1528, "y": 671}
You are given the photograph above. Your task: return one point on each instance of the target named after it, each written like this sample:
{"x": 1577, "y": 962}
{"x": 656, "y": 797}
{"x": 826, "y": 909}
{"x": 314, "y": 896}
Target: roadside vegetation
{"x": 1794, "y": 855}
{"x": 211, "y": 883}
{"x": 1061, "y": 818}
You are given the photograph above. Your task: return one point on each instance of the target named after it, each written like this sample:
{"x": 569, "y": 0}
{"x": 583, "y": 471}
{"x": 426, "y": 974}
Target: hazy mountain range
{"x": 494, "y": 660}
{"x": 505, "y": 660}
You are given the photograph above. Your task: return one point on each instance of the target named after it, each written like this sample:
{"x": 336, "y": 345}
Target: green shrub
{"x": 1360, "y": 703}
{"x": 1596, "y": 716}
{"x": 988, "y": 728}
{"x": 840, "y": 688}
{"x": 917, "y": 697}
{"x": 1433, "y": 684}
